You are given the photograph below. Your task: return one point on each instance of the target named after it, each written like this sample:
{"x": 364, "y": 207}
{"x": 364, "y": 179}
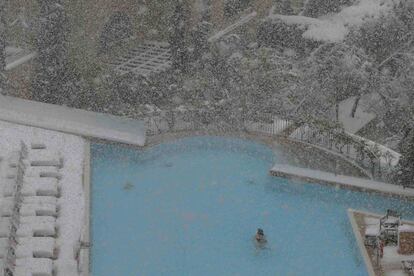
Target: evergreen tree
{"x": 116, "y": 30}
{"x": 316, "y": 8}
{"x": 200, "y": 39}
{"x": 2, "y": 45}
{"x": 285, "y": 7}
{"x": 178, "y": 36}
{"x": 51, "y": 76}
{"x": 406, "y": 163}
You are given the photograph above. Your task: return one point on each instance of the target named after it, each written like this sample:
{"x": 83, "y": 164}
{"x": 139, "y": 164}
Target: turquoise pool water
{"x": 192, "y": 206}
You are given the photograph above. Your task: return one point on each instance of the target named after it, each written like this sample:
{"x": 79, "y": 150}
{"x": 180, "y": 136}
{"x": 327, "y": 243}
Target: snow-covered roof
{"x": 335, "y": 27}
{"x": 74, "y": 121}
{"x": 17, "y": 56}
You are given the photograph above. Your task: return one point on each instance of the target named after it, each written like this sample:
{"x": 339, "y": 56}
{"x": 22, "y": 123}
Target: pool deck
{"x": 343, "y": 181}
{"x": 390, "y": 264}
{"x": 73, "y": 121}
{"x": 360, "y": 241}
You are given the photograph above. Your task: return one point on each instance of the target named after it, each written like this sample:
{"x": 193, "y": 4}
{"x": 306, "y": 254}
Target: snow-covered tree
{"x": 405, "y": 12}
{"x": 333, "y": 73}
{"x": 405, "y": 175}
{"x": 117, "y": 29}
{"x": 178, "y": 37}
{"x": 285, "y": 7}
{"x": 276, "y": 33}
{"x": 316, "y": 8}
{"x": 232, "y": 7}
{"x": 2, "y": 44}
{"x": 51, "y": 75}
{"x": 199, "y": 37}
{"x": 383, "y": 38}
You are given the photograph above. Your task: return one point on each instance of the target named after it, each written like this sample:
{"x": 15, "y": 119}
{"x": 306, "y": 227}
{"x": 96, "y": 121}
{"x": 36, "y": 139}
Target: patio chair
{"x": 408, "y": 266}
{"x": 389, "y": 226}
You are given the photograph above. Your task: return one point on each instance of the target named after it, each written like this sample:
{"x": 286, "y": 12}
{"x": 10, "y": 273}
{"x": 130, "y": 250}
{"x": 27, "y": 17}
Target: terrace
{"x": 46, "y": 203}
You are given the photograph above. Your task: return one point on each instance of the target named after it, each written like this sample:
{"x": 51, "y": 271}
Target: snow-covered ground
{"x": 69, "y": 205}
{"x": 361, "y": 118}
{"x": 335, "y": 27}
{"x": 391, "y": 260}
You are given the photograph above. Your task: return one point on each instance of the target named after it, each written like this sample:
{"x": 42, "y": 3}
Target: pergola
{"x": 145, "y": 59}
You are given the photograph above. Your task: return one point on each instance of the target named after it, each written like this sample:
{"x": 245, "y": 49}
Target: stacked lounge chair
{"x": 28, "y": 211}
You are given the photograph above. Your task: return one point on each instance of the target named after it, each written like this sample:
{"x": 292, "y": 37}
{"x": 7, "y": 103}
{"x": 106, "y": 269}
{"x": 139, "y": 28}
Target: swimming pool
{"x": 192, "y": 206}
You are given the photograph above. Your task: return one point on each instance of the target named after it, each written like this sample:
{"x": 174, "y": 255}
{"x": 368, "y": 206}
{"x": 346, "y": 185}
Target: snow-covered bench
{"x": 40, "y": 187}
{"x": 4, "y": 227}
{"x": 38, "y": 209}
{"x": 4, "y": 242}
{"x": 40, "y": 200}
{"x": 34, "y": 187}
{"x": 39, "y": 247}
{"x": 34, "y": 267}
{"x": 36, "y": 172}
{"x": 13, "y": 159}
{"x": 6, "y": 206}
{"x": 37, "y": 227}
{"x": 37, "y": 146}
{"x": 9, "y": 187}
{"x": 44, "y": 158}
{"x": 29, "y": 209}
{"x": 10, "y": 173}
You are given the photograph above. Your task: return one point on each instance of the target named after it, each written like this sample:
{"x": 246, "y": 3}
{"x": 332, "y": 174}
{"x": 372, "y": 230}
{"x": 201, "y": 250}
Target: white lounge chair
{"x": 38, "y": 186}
{"x": 39, "y": 247}
{"x": 37, "y": 227}
{"x": 33, "y": 266}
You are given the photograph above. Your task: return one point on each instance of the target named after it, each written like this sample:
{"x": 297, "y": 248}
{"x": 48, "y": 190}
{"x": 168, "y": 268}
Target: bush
{"x": 381, "y": 37}
{"x": 277, "y": 33}
{"x": 233, "y": 7}
{"x": 117, "y": 29}
{"x": 316, "y": 8}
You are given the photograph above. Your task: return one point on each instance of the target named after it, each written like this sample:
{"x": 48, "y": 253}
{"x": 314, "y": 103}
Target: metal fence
{"x": 365, "y": 156}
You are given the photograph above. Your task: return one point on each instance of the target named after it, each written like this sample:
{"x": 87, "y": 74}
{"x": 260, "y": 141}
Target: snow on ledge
{"x": 341, "y": 180}
{"x": 73, "y": 121}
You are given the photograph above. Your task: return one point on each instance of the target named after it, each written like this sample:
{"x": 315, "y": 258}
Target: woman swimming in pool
{"x": 260, "y": 237}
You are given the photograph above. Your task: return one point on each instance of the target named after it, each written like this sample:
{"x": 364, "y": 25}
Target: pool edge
{"x": 325, "y": 178}
{"x": 85, "y": 259}
{"x": 360, "y": 242}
